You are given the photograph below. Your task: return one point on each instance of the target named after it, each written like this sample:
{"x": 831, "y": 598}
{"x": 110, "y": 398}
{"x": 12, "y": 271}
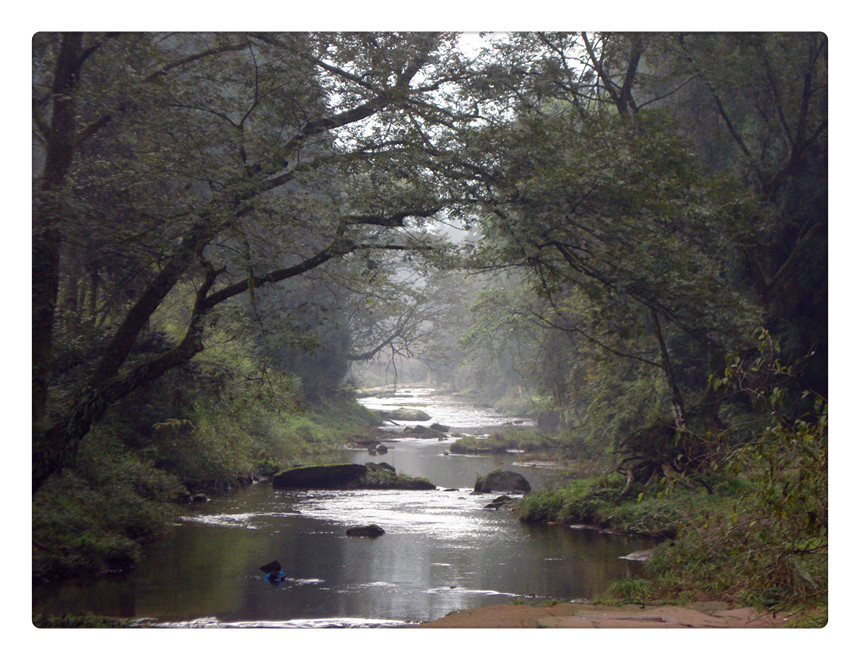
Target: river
{"x": 442, "y": 550}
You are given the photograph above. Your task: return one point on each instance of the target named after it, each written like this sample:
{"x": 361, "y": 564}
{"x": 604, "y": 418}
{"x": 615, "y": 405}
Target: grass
{"x": 656, "y": 511}
{"x": 500, "y": 441}
{"x": 81, "y": 621}
{"x": 723, "y": 546}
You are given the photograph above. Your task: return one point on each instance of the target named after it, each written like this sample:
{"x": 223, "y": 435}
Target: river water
{"x": 442, "y": 550}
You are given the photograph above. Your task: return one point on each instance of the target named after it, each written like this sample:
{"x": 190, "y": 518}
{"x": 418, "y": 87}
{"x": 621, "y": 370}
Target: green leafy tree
{"x": 187, "y": 170}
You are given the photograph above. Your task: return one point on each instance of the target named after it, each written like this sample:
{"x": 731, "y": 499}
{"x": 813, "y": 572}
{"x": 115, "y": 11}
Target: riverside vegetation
{"x": 187, "y": 437}
{"x": 621, "y": 235}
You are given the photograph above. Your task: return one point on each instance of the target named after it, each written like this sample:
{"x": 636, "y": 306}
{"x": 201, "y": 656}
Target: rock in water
{"x": 370, "y": 531}
{"x": 346, "y": 475}
{"x": 502, "y": 480}
{"x": 499, "y": 502}
{"x": 408, "y": 415}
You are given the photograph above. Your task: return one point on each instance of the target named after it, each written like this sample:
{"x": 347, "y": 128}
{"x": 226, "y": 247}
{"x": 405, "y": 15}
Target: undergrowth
{"x": 759, "y": 538}
{"x": 131, "y": 478}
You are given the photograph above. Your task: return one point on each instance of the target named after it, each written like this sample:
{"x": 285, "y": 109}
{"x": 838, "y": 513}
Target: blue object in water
{"x": 276, "y": 577}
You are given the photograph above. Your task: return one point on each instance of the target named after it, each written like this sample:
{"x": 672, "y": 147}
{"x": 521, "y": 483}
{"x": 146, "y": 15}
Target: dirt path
{"x": 572, "y": 615}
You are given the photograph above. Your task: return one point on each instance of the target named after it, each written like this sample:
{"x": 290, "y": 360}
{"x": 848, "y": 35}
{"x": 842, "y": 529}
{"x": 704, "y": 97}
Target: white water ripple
{"x": 335, "y": 622}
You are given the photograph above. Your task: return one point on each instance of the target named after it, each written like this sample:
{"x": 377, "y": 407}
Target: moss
{"x": 471, "y": 445}
{"x": 386, "y": 479}
{"x": 82, "y": 621}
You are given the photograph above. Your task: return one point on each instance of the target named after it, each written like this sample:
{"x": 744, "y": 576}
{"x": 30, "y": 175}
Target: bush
{"x": 583, "y": 501}
{"x": 769, "y": 548}
{"x": 95, "y": 518}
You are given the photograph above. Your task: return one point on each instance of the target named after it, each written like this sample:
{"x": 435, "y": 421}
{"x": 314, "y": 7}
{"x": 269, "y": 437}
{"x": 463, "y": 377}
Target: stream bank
{"x": 442, "y": 550}
{"x": 585, "y": 615}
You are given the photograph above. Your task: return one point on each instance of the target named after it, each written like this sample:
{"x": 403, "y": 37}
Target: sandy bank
{"x": 572, "y": 615}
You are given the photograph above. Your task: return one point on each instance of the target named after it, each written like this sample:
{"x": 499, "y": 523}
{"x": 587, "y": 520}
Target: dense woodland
{"x": 623, "y": 235}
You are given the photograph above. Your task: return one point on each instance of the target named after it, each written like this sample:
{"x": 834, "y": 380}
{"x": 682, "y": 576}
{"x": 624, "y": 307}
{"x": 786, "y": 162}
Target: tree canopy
{"x": 657, "y": 197}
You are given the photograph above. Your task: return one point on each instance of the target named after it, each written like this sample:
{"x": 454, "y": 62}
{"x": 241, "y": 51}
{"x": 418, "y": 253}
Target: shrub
{"x": 769, "y": 547}
{"x": 95, "y": 518}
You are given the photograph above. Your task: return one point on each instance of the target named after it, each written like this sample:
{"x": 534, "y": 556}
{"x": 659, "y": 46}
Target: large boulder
{"x": 502, "y": 480}
{"x": 345, "y": 475}
{"x": 349, "y": 475}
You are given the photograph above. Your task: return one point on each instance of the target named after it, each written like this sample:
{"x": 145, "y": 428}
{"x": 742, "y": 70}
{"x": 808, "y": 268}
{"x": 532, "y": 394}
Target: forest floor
{"x": 575, "y": 615}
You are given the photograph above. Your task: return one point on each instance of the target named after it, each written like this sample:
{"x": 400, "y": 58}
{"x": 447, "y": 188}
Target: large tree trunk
{"x": 58, "y": 445}
{"x": 59, "y": 153}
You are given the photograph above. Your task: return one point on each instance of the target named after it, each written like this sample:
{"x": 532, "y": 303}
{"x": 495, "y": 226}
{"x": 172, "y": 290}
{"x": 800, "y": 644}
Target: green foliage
{"x": 769, "y": 548}
{"x": 659, "y": 510}
{"x": 583, "y": 501}
{"x": 207, "y": 427}
{"x": 500, "y": 441}
{"x": 632, "y": 590}
{"x": 97, "y": 517}
{"x": 644, "y": 227}
{"x": 386, "y": 479}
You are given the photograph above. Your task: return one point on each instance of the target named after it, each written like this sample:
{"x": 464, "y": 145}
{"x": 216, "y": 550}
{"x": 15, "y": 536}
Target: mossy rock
{"x": 423, "y": 432}
{"x": 407, "y": 415}
{"x": 348, "y": 476}
{"x": 384, "y": 479}
{"x": 472, "y": 445}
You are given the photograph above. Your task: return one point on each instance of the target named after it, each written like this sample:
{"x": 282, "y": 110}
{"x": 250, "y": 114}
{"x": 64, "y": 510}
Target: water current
{"x": 442, "y": 549}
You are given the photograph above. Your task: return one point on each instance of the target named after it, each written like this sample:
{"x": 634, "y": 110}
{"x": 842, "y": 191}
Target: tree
{"x": 188, "y": 170}
{"x": 601, "y": 185}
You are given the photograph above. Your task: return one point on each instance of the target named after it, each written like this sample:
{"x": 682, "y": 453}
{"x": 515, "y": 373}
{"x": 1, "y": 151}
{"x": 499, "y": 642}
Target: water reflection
{"x": 442, "y": 551}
